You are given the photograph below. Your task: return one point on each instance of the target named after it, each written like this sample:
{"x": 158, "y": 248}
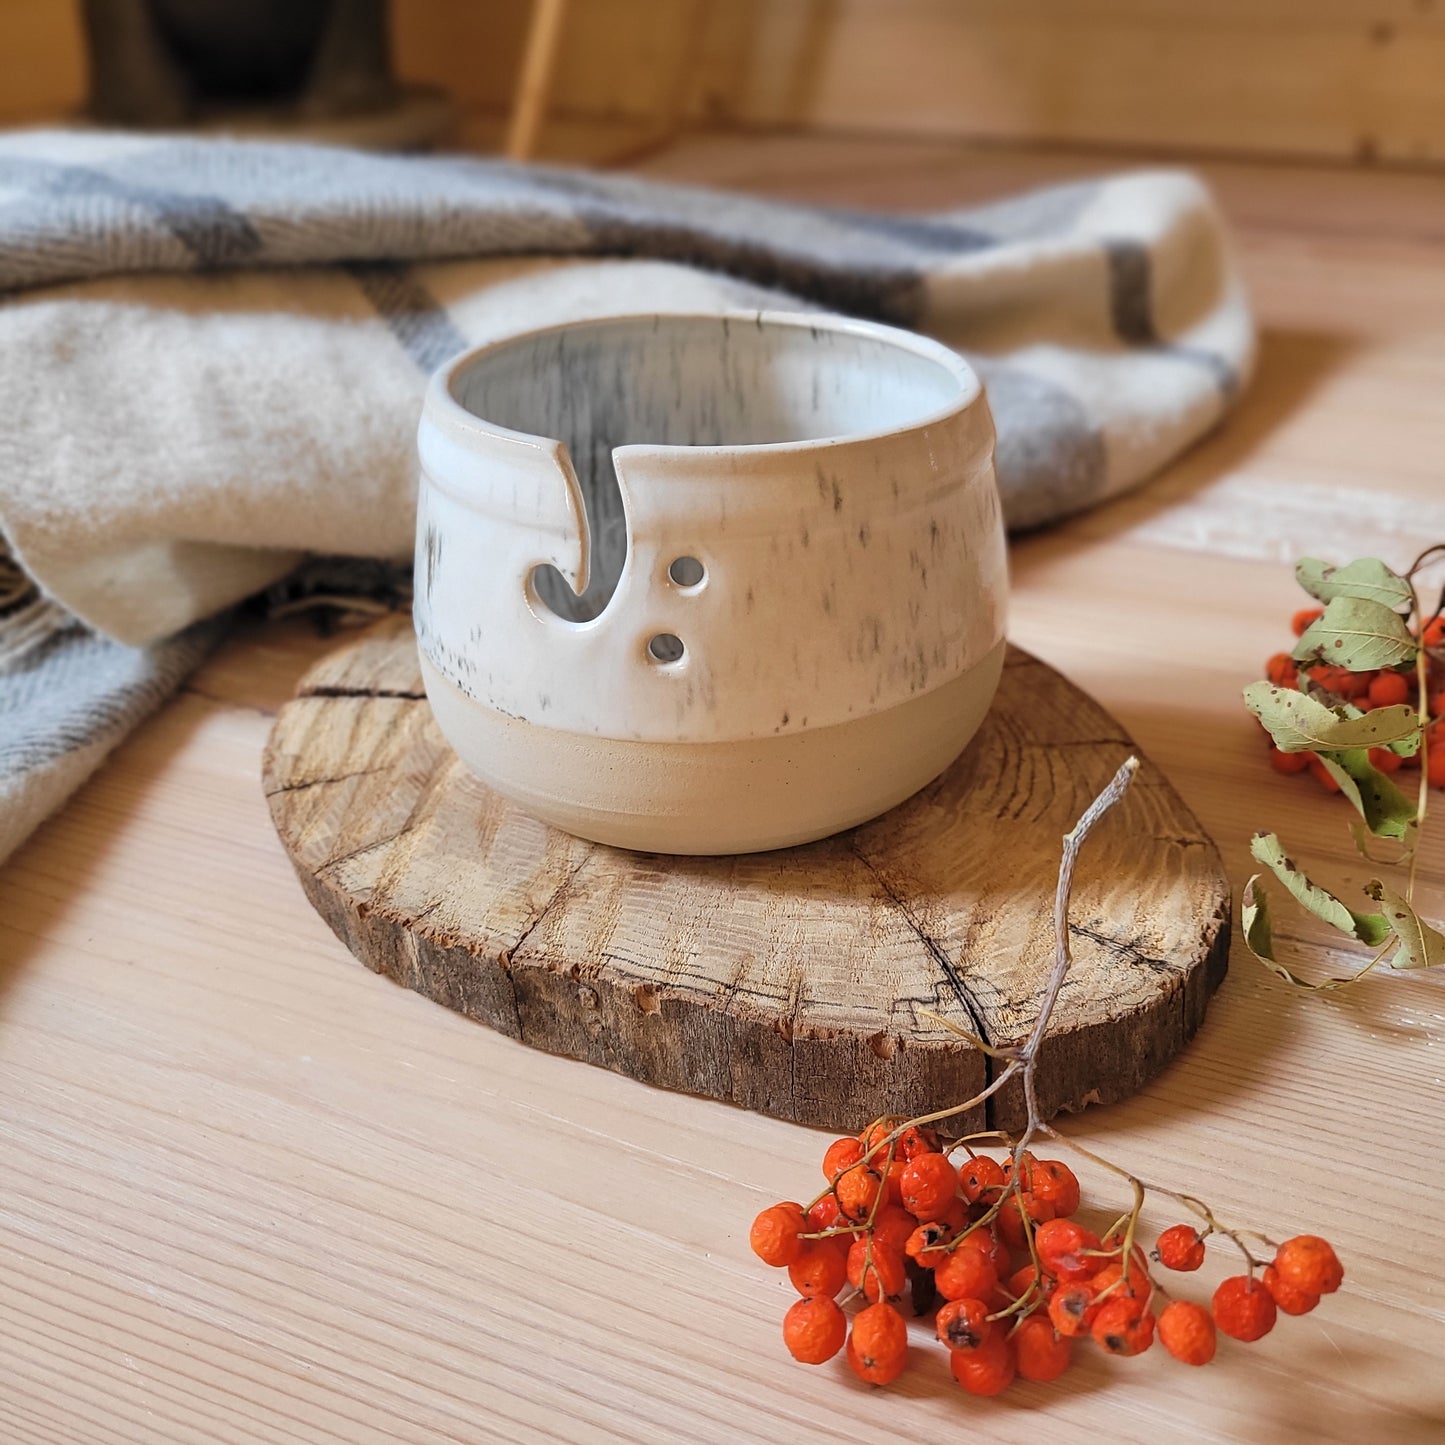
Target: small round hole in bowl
{"x": 665, "y": 647}
{"x": 687, "y": 572}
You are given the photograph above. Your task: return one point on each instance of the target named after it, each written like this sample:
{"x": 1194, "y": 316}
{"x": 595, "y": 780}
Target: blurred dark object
{"x": 338, "y": 593}
{"x": 311, "y": 69}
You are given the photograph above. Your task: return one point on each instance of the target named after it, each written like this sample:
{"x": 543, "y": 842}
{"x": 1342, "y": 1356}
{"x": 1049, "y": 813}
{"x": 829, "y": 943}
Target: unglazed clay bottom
{"x": 744, "y": 796}
{"x": 709, "y": 584}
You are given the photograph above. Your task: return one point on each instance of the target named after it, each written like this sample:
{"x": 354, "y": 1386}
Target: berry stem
{"x": 1422, "y": 683}
{"x": 1143, "y": 1186}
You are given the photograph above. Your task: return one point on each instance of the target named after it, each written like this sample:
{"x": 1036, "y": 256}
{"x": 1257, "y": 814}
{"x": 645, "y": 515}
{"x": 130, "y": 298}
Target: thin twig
{"x": 1423, "y": 708}
{"x": 1073, "y": 841}
{"x": 1424, "y": 557}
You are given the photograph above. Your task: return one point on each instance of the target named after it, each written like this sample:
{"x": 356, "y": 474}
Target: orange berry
{"x": 1026, "y": 1164}
{"x": 1434, "y": 633}
{"x": 878, "y": 1272}
{"x": 1322, "y": 776}
{"x": 917, "y": 1139}
{"x": 1110, "y": 1284}
{"x": 999, "y": 1300}
{"x": 821, "y": 1270}
{"x": 1302, "y": 620}
{"x": 824, "y": 1215}
{"x": 1437, "y": 704}
{"x": 994, "y": 1248}
{"x": 980, "y": 1179}
{"x": 1010, "y": 1217}
{"x": 1291, "y": 1300}
{"x": 1283, "y": 762}
{"x": 1055, "y": 1182}
{"x": 857, "y": 1190}
{"x": 1244, "y": 1309}
{"x": 1114, "y": 1244}
{"x": 927, "y": 1245}
{"x": 1023, "y": 1280}
{"x": 929, "y": 1185}
{"x": 1339, "y": 680}
{"x": 988, "y": 1370}
{"x": 969, "y": 1272}
{"x": 1307, "y": 1263}
{"x": 1068, "y": 1250}
{"x": 1435, "y": 764}
{"x": 1385, "y": 760}
{"x": 1123, "y": 1326}
{"x": 1040, "y": 1352}
{"x": 1281, "y": 670}
{"x": 893, "y": 1184}
{"x": 1389, "y": 689}
{"x": 774, "y": 1235}
{"x": 892, "y": 1227}
{"x": 1180, "y": 1247}
{"x": 839, "y": 1155}
{"x": 1072, "y": 1309}
{"x": 1187, "y": 1332}
{"x": 964, "y": 1324}
{"x": 814, "y": 1330}
{"x": 875, "y": 1137}
{"x": 878, "y": 1344}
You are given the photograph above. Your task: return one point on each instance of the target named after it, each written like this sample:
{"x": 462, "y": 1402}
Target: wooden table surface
{"x": 251, "y": 1192}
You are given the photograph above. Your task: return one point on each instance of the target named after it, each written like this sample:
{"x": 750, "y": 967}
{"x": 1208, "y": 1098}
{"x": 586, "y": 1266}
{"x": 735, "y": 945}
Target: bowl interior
{"x": 695, "y": 381}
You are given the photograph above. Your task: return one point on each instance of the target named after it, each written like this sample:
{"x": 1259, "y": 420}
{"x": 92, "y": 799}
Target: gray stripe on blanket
{"x": 1049, "y": 456}
{"x": 211, "y": 230}
{"x": 1131, "y": 307}
{"x": 415, "y": 317}
{"x": 77, "y": 688}
{"x": 823, "y": 256}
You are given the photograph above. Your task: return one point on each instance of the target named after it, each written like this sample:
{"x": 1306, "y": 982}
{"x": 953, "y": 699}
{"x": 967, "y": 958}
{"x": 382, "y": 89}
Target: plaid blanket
{"x": 212, "y": 357}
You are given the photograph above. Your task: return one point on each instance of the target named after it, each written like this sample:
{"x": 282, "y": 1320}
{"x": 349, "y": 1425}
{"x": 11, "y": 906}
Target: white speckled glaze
{"x": 835, "y": 481}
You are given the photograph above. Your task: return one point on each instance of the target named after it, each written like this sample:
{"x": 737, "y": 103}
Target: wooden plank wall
{"x": 42, "y": 68}
{"x": 1344, "y": 79}
{"x": 1338, "y": 79}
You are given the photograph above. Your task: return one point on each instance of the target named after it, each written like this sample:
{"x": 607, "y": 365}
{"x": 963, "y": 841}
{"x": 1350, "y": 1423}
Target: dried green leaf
{"x": 1369, "y": 928}
{"x": 1408, "y": 745}
{"x": 1387, "y": 812}
{"x": 1361, "y": 835}
{"x": 1357, "y": 634}
{"x": 1367, "y": 578}
{"x": 1299, "y": 723}
{"x": 1259, "y": 939}
{"x": 1421, "y": 946}
{"x": 1258, "y": 934}
{"x": 1399, "y": 718}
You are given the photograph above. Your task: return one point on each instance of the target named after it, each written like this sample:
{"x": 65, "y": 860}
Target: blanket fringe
{"x": 28, "y": 619}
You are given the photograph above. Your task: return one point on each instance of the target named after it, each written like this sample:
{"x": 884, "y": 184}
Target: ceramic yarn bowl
{"x": 709, "y": 583}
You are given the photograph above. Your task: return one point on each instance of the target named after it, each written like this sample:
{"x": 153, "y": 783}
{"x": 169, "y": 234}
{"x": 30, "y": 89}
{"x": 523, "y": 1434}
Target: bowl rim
{"x": 443, "y": 407}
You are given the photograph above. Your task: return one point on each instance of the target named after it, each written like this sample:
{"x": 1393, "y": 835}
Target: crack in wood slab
{"x": 405, "y": 694}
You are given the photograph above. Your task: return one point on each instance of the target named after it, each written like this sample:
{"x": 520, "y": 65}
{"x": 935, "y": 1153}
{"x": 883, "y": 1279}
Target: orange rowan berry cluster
{"x": 992, "y": 1248}
{"x": 1365, "y": 691}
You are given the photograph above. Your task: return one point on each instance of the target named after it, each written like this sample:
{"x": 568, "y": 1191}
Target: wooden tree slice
{"x": 796, "y": 982}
